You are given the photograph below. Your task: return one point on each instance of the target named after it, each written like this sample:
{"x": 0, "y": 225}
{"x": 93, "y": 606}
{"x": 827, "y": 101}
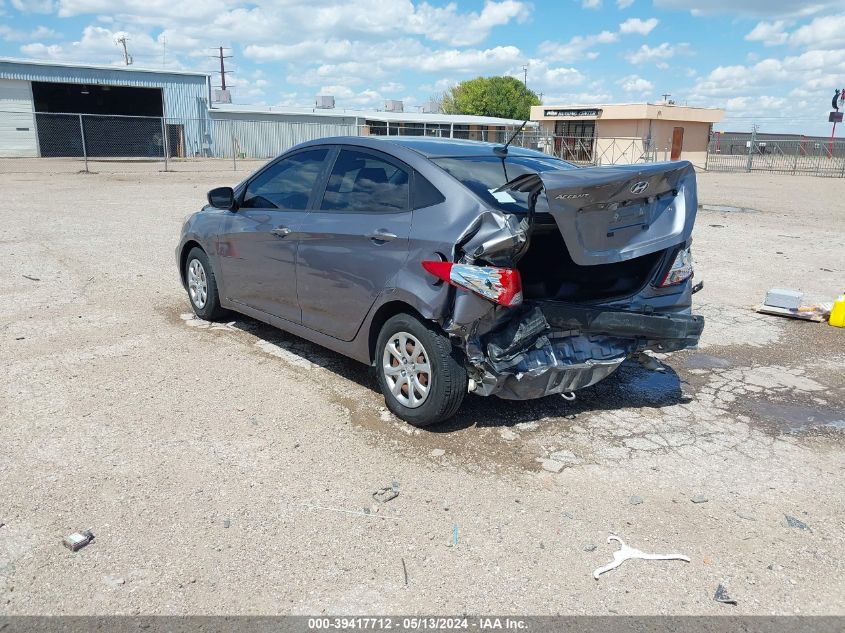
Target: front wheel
{"x": 420, "y": 372}
{"x": 202, "y": 286}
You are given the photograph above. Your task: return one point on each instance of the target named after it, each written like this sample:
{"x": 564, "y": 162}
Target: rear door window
{"x": 361, "y": 182}
{"x": 287, "y": 184}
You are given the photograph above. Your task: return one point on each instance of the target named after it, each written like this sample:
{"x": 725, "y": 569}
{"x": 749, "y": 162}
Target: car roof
{"x": 447, "y": 147}
{"x": 428, "y": 147}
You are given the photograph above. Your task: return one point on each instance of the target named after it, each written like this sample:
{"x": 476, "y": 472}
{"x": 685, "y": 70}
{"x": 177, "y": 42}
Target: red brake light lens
{"x": 500, "y": 285}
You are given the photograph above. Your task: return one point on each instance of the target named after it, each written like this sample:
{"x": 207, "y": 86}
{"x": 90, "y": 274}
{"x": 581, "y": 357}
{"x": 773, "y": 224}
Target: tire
{"x": 445, "y": 383}
{"x": 202, "y": 286}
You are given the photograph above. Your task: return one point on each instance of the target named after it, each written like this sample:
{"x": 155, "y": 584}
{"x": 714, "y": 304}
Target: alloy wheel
{"x": 407, "y": 370}
{"x": 197, "y": 283}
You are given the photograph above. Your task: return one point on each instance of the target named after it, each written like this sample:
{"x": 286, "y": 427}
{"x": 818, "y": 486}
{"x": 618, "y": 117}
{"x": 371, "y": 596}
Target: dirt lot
{"x": 224, "y": 468}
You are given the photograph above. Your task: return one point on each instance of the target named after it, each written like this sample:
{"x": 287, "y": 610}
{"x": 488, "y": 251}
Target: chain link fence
{"x": 806, "y": 156}
{"x": 55, "y": 143}
{"x": 590, "y": 150}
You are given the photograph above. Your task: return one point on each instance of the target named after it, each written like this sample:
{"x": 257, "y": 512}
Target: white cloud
{"x": 9, "y": 34}
{"x": 750, "y": 7}
{"x": 577, "y": 48}
{"x": 472, "y": 61}
{"x": 375, "y": 59}
{"x": 447, "y": 25}
{"x": 592, "y": 94}
{"x": 638, "y": 26}
{"x": 738, "y": 106}
{"x": 591, "y": 4}
{"x": 635, "y": 84}
{"x": 34, "y": 6}
{"x": 822, "y": 33}
{"x": 813, "y": 74}
{"x": 267, "y": 21}
{"x": 545, "y": 78}
{"x": 645, "y": 53}
{"x": 770, "y": 33}
{"x": 96, "y": 43}
{"x": 624, "y": 4}
{"x": 305, "y": 49}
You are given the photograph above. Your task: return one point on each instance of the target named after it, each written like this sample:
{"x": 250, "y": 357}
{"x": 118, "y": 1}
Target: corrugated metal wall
{"x": 185, "y": 96}
{"x": 17, "y": 122}
{"x": 264, "y": 136}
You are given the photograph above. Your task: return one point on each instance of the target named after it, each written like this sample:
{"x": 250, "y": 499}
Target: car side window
{"x": 362, "y": 182}
{"x": 287, "y": 184}
{"x": 424, "y": 194}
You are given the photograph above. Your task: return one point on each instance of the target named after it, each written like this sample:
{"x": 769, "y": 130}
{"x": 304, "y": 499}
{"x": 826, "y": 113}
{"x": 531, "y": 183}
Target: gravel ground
{"x": 226, "y": 468}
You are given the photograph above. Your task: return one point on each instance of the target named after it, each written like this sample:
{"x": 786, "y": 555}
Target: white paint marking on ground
{"x": 286, "y": 355}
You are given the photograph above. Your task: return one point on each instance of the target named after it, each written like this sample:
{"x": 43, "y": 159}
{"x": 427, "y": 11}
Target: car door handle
{"x": 381, "y": 236}
{"x": 281, "y": 231}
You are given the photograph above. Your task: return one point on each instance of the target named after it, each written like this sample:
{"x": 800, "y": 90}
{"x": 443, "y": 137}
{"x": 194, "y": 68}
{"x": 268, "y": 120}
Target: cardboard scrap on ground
{"x": 805, "y": 313}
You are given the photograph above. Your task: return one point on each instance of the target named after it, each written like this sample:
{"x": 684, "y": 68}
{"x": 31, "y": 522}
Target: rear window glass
{"x": 482, "y": 174}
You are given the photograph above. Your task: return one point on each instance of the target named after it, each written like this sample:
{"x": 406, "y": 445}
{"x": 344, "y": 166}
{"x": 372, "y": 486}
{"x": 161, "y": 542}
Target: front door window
{"x": 287, "y": 184}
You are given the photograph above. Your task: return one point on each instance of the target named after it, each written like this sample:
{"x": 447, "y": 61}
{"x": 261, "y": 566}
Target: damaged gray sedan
{"x": 451, "y": 266}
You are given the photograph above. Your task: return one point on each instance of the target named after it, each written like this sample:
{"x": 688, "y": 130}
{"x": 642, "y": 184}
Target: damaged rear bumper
{"x": 555, "y": 347}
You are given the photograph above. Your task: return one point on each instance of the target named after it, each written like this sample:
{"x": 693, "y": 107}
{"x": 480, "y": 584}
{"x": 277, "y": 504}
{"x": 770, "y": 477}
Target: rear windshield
{"x": 483, "y": 174}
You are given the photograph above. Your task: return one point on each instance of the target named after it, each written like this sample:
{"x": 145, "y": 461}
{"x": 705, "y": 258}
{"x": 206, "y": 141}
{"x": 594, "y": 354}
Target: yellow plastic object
{"x": 837, "y": 315}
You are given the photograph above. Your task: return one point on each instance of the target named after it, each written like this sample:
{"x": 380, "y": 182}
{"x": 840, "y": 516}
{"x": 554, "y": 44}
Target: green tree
{"x": 505, "y": 97}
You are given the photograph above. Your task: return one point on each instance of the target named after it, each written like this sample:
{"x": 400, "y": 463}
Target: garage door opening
{"x": 116, "y": 122}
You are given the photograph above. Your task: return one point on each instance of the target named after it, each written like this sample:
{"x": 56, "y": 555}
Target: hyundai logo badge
{"x": 639, "y": 187}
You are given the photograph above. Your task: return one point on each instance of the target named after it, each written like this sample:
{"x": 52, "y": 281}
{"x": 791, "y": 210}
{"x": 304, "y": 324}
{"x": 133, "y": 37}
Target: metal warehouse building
{"x": 50, "y": 109}
{"x": 258, "y": 131}
{"x": 115, "y": 112}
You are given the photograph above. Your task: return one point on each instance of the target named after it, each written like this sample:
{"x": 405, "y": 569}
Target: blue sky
{"x": 773, "y": 62}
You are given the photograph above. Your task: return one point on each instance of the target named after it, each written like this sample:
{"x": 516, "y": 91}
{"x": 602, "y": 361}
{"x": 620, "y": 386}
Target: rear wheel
{"x": 420, "y": 372}
{"x": 202, "y": 286}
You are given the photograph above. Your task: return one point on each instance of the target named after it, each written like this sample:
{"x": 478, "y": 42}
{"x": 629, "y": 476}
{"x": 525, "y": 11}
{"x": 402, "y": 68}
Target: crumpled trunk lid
{"x": 613, "y": 214}
{"x": 605, "y": 216}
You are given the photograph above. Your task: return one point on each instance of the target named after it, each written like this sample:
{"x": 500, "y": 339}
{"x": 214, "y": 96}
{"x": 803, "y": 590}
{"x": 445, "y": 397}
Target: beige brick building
{"x": 627, "y": 132}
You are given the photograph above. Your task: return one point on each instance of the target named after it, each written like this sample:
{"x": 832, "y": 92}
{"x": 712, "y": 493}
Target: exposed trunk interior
{"x": 548, "y": 271}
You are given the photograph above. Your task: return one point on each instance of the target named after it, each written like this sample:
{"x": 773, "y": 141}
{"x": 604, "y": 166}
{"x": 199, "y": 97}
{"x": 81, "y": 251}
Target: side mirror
{"x": 222, "y": 198}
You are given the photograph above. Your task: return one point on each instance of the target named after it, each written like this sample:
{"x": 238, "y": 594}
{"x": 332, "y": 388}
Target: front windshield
{"x": 484, "y": 174}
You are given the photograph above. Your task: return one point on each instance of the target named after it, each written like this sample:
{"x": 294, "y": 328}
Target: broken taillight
{"x": 681, "y": 270}
{"x": 501, "y": 285}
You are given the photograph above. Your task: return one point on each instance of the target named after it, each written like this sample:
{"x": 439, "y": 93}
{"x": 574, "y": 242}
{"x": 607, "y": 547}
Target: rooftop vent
{"x": 392, "y": 105}
{"x": 325, "y": 102}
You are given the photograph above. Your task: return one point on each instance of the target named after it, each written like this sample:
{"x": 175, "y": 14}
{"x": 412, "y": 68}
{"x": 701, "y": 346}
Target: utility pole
{"x": 127, "y": 58}
{"x": 164, "y": 51}
{"x": 666, "y": 96}
{"x": 222, "y": 57}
